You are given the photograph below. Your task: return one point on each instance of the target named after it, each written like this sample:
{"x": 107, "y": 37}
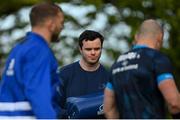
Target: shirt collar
{"x": 140, "y": 46}
{"x": 39, "y": 38}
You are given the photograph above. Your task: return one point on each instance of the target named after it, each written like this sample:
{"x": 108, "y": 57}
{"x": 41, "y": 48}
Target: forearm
{"x": 171, "y": 95}
{"x": 112, "y": 114}
{"x": 174, "y": 107}
{"x": 177, "y": 115}
{"x": 110, "y": 106}
{"x": 173, "y": 110}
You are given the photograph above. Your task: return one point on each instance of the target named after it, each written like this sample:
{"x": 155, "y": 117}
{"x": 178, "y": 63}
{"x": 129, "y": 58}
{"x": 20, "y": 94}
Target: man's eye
{"x": 88, "y": 49}
{"x": 96, "y": 49}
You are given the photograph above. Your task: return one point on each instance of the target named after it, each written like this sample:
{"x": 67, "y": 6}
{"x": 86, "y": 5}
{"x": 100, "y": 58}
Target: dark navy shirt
{"x": 135, "y": 78}
{"x": 78, "y": 82}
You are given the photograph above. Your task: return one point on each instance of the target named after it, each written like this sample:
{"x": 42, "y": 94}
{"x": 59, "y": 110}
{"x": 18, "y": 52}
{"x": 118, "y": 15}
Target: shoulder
{"x": 103, "y": 68}
{"x": 69, "y": 68}
{"x": 36, "y": 50}
{"x": 105, "y": 72}
{"x": 162, "y": 64}
{"x": 27, "y": 50}
{"x": 66, "y": 72}
{"x": 155, "y": 54}
{"x": 161, "y": 58}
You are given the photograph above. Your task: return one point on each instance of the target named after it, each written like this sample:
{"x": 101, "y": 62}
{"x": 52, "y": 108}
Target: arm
{"x": 110, "y": 109}
{"x": 166, "y": 84}
{"x": 176, "y": 116}
{"x": 38, "y": 83}
{"x": 171, "y": 95}
{"x": 60, "y": 100}
{"x": 62, "y": 88}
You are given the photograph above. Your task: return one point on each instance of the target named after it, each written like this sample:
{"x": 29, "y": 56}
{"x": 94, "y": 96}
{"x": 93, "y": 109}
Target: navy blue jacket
{"x": 77, "y": 82}
{"x": 135, "y": 78}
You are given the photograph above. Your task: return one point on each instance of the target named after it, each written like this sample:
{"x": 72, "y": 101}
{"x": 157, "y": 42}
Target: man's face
{"x": 91, "y": 51}
{"x": 59, "y": 23}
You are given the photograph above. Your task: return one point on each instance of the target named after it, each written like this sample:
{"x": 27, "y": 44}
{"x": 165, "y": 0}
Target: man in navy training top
{"x": 142, "y": 79}
{"x": 86, "y": 76}
{"x": 30, "y": 75}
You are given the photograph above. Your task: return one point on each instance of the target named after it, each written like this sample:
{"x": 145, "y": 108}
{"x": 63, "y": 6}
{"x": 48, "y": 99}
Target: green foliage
{"x": 97, "y": 3}
{"x": 131, "y": 12}
{"x": 11, "y": 6}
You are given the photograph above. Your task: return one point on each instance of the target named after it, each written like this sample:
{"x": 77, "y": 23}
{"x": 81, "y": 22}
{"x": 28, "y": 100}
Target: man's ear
{"x": 135, "y": 39}
{"x": 80, "y": 49}
{"x": 50, "y": 24}
{"x": 160, "y": 40}
{"x": 160, "y": 37}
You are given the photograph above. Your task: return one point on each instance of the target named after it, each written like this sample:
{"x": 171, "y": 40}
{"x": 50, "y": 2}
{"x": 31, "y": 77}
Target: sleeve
{"x": 61, "y": 98}
{"x": 37, "y": 82}
{"x": 109, "y": 84}
{"x": 163, "y": 68}
{"x": 64, "y": 79}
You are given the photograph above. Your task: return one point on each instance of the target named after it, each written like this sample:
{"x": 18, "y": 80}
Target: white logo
{"x": 124, "y": 63}
{"x": 125, "y": 68}
{"x": 58, "y": 70}
{"x": 100, "y": 111}
{"x": 128, "y": 56}
{"x": 10, "y": 70}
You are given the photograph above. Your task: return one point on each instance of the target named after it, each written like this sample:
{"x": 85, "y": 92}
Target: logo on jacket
{"x": 10, "y": 70}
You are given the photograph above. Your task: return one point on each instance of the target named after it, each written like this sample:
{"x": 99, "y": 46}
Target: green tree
{"x": 128, "y": 13}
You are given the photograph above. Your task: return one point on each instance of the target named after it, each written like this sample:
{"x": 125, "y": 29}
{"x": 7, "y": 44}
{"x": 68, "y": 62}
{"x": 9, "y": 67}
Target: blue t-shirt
{"x": 29, "y": 80}
{"x": 78, "y": 82}
{"x": 135, "y": 78}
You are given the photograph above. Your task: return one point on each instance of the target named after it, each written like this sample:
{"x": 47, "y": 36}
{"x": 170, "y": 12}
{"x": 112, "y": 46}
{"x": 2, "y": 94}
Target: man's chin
{"x": 93, "y": 62}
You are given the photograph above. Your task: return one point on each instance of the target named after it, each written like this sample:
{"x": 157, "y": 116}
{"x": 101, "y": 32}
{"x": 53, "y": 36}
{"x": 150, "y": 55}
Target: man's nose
{"x": 92, "y": 51}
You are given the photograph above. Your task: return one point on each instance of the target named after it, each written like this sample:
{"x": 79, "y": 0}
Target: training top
{"x": 78, "y": 82}
{"x": 29, "y": 80}
{"x": 135, "y": 77}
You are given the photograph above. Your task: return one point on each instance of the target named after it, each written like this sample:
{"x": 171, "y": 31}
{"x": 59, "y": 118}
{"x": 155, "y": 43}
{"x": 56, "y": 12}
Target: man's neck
{"x": 42, "y": 32}
{"x": 88, "y": 67}
{"x": 148, "y": 43}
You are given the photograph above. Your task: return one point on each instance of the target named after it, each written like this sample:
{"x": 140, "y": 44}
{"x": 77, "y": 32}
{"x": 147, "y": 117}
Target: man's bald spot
{"x": 150, "y": 28}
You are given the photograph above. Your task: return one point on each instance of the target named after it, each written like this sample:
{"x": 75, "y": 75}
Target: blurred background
{"x": 116, "y": 20}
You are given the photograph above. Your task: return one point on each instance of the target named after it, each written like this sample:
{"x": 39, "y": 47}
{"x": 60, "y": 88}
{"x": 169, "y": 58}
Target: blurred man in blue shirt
{"x": 30, "y": 75}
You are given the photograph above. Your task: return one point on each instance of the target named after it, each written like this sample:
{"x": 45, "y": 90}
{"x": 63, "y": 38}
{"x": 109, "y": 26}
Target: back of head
{"x": 90, "y": 35}
{"x": 43, "y": 11}
{"x": 149, "y": 29}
